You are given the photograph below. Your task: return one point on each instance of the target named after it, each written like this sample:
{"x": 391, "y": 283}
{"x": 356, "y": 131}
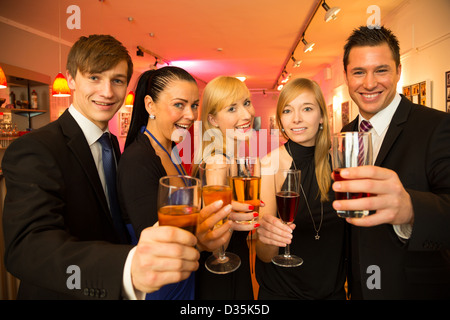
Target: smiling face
{"x": 301, "y": 118}
{"x": 372, "y": 78}
{"x": 236, "y": 119}
{"x": 175, "y": 111}
{"x": 98, "y": 96}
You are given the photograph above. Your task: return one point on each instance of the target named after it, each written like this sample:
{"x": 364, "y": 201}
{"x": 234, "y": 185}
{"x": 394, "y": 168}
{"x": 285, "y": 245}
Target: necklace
{"x": 317, "y": 237}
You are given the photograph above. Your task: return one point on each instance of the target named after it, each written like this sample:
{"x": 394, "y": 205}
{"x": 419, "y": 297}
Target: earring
{"x": 152, "y": 116}
{"x": 321, "y": 126}
{"x": 282, "y": 129}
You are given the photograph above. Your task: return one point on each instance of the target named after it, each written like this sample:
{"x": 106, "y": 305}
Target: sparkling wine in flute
{"x": 349, "y": 196}
{"x": 216, "y": 186}
{"x": 214, "y": 193}
{"x": 182, "y": 216}
{"x": 247, "y": 190}
{"x": 287, "y": 204}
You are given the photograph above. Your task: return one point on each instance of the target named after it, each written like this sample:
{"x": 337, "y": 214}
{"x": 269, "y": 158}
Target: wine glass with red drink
{"x": 287, "y": 193}
{"x": 351, "y": 149}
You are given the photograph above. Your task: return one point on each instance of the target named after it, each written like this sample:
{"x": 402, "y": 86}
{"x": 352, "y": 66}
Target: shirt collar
{"x": 90, "y": 130}
{"x": 380, "y": 121}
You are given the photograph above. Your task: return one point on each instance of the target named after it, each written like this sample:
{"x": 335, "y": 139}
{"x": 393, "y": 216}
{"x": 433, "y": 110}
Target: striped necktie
{"x": 364, "y": 126}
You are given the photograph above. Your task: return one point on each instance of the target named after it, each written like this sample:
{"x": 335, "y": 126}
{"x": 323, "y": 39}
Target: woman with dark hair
{"x": 166, "y": 105}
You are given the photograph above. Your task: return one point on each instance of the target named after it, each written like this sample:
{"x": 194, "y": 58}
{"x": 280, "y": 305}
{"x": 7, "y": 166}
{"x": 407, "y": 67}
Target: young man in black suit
{"x": 401, "y": 251}
{"x": 57, "y": 218}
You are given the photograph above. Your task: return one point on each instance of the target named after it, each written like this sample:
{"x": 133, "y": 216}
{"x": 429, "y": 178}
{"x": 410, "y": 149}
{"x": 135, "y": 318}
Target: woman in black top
{"x": 227, "y": 118}
{"x": 317, "y": 234}
{"x": 165, "y": 107}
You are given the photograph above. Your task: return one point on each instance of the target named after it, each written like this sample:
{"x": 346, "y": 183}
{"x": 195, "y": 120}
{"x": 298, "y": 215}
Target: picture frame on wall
{"x": 419, "y": 93}
{"x": 345, "y": 113}
{"x": 447, "y": 91}
{"x": 124, "y": 123}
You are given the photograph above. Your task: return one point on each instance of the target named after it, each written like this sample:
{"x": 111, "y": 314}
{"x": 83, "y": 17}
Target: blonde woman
{"x": 227, "y": 119}
{"x": 317, "y": 234}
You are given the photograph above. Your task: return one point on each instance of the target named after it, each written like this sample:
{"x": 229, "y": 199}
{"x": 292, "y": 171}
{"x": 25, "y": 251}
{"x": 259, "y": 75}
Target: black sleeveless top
{"x": 322, "y": 274}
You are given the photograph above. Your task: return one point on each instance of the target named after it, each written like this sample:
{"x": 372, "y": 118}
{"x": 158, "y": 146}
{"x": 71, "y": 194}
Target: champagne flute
{"x": 216, "y": 186}
{"x": 246, "y": 182}
{"x": 287, "y": 193}
{"x": 179, "y": 201}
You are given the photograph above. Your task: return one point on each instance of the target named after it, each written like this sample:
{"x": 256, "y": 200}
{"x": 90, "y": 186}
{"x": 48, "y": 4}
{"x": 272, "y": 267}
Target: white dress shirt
{"x": 380, "y": 123}
{"x": 92, "y": 133}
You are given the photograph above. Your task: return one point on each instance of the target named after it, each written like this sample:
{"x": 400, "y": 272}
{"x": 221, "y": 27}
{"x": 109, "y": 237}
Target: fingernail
{"x": 219, "y": 203}
{"x": 228, "y": 207}
{"x": 337, "y": 205}
{"x": 262, "y": 201}
{"x": 250, "y": 207}
{"x": 336, "y": 185}
{"x": 255, "y": 214}
{"x": 344, "y": 173}
{"x": 256, "y": 225}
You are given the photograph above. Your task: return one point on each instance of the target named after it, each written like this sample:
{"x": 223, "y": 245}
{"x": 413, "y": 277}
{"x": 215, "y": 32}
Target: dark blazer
{"x": 56, "y": 215}
{"x": 417, "y": 148}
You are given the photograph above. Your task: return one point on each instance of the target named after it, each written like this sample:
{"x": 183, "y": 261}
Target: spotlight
{"x": 308, "y": 46}
{"x": 330, "y": 12}
{"x": 296, "y": 62}
{"x": 139, "y": 52}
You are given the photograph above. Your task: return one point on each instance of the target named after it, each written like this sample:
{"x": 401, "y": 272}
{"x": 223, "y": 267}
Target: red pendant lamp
{"x": 2, "y": 79}
{"x": 60, "y": 86}
{"x": 129, "y": 100}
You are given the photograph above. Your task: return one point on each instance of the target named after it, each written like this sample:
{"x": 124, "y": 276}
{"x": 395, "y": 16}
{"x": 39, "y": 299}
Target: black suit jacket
{"x": 417, "y": 148}
{"x": 56, "y": 215}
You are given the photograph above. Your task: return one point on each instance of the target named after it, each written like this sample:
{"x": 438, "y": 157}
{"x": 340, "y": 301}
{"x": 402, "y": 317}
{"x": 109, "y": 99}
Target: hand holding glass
{"x": 287, "y": 193}
{"x": 351, "y": 149}
{"x": 216, "y": 186}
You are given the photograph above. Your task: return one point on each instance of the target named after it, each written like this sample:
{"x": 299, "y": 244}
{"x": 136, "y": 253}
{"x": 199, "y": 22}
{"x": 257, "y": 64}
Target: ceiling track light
{"x": 331, "y": 13}
{"x": 155, "y": 55}
{"x": 308, "y": 45}
{"x": 296, "y": 62}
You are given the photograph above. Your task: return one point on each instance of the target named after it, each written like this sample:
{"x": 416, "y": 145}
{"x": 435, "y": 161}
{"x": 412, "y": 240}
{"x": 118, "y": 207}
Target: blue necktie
{"x": 109, "y": 167}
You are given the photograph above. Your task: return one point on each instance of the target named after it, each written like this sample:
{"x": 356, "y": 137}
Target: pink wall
{"x": 265, "y": 106}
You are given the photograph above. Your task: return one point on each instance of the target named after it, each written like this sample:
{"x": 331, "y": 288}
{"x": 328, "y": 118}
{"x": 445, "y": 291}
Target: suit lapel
{"x": 394, "y": 130}
{"x": 116, "y": 147}
{"x": 80, "y": 148}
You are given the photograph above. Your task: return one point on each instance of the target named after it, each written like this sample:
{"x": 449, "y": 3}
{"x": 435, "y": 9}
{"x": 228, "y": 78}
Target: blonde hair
{"x": 218, "y": 94}
{"x": 323, "y": 139}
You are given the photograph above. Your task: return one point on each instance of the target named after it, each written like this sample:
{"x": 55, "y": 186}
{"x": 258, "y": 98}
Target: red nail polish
{"x": 255, "y": 214}
{"x": 250, "y": 207}
{"x": 256, "y": 225}
{"x": 261, "y": 201}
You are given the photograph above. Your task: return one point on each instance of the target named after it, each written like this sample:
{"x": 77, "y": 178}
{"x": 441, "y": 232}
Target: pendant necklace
{"x": 317, "y": 236}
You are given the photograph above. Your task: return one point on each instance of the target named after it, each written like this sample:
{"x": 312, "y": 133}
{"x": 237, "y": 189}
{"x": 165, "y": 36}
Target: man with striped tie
{"x": 403, "y": 245}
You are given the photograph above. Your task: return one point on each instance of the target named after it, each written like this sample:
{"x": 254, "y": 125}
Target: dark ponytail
{"x": 152, "y": 83}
